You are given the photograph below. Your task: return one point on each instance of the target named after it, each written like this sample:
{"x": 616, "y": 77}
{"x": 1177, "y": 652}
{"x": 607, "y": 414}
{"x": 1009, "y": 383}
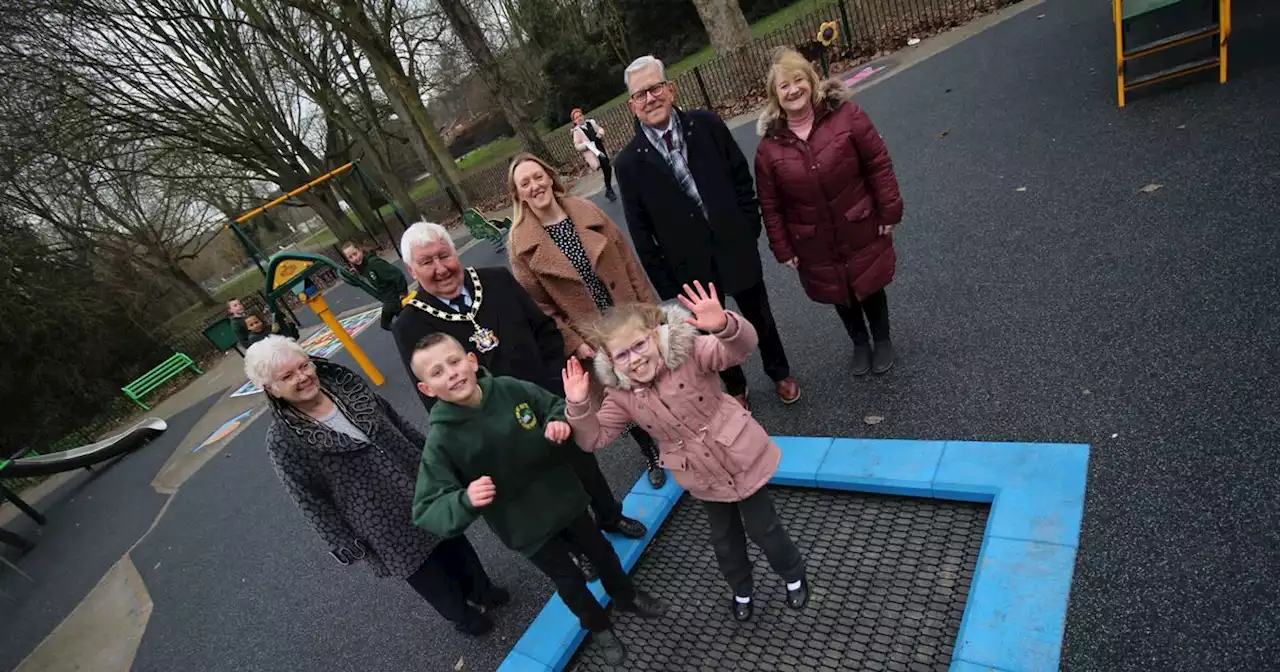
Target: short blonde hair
{"x": 786, "y": 62}
{"x": 517, "y": 206}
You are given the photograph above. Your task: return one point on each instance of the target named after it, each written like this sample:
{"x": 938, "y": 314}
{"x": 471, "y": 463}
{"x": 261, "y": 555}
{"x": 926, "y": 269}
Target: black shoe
{"x": 646, "y": 605}
{"x": 610, "y": 195}
{"x": 496, "y": 597}
{"x": 474, "y": 624}
{"x": 657, "y": 477}
{"x": 882, "y": 361}
{"x": 584, "y": 565}
{"x": 861, "y": 358}
{"x": 742, "y": 612}
{"x": 796, "y": 599}
{"x": 612, "y": 648}
{"x": 627, "y": 527}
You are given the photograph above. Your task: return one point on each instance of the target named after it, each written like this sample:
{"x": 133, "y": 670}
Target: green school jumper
{"x": 538, "y": 494}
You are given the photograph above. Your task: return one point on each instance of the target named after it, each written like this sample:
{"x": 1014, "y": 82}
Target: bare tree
{"x": 120, "y": 202}
{"x": 368, "y": 23}
{"x": 191, "y": 73}
{"x": 320, "y": 61}
{"x": 491, "y": 73}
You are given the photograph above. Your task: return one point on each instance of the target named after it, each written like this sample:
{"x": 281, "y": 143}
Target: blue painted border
{"x": 1016, "y": 611}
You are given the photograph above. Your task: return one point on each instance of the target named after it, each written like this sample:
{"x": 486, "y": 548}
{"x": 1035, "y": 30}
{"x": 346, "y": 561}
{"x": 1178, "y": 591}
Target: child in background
{"x": 493, "y": 451}
{"x": 257, "y": 330}
{"x": 661, "y": 374}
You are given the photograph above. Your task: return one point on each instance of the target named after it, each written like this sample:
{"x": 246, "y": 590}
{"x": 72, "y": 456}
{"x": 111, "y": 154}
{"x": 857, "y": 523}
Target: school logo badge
{"x": 525, "y": 416}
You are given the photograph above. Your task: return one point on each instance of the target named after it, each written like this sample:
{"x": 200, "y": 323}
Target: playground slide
{"x": 126, "y": 442}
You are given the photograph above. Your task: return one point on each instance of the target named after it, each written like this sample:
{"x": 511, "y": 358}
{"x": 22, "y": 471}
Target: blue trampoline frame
{"x": 1016, "y": 610}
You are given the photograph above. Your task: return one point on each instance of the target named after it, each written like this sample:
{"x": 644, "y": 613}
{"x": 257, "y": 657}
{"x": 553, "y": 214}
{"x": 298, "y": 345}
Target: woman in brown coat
{"x": 575, "y": 263}
{"x": 830, "y": 201}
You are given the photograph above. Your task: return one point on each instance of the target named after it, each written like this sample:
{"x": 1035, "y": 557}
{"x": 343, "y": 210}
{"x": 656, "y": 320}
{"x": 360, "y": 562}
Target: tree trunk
{"x": 426, "y": 142}
{"x": 473, "y": 40}
{"x": 725, "y": 24}
{"x": 196, "y": 289}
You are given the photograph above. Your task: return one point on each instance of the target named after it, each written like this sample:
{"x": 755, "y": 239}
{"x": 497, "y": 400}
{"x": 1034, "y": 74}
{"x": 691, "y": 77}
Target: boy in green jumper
{"x": 386, "y": 278}
{"x": 496, "y": 448}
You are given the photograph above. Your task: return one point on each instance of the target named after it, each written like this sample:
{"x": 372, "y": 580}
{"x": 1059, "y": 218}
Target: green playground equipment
{"x": 286, "y": 270}
{"x": 158, "y": 376}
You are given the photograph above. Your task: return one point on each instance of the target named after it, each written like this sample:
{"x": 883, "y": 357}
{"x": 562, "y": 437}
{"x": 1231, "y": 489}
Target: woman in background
{"x": 588, "y": 139}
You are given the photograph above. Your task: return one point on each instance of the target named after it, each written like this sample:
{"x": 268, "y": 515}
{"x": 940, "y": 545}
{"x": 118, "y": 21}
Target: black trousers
{"x": 389, "y": 312}
{"x": 452, "y": 575}
{"x": 875, "y": 310}
{"x": 553, "y": 560}
{"x": 648, "y": 447}
{"x": 606, "y": 169}
{"x": 606, "y": 507}
{"x": 753, "y": 303}
{"x": 757, "y": 515}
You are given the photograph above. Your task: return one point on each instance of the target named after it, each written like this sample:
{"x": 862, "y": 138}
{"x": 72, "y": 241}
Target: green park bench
{"x": 157, "y": 377}
{"x": 1125, "y": 12}
{"x": 493, "y": 230}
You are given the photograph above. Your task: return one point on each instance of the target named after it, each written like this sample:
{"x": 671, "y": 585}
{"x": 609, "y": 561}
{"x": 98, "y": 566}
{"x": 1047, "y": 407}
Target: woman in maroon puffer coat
{"x": 830, "y": 201}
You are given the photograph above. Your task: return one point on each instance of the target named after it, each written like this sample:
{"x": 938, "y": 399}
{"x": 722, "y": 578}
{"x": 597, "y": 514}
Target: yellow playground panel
{"x": 1127, "y": 12}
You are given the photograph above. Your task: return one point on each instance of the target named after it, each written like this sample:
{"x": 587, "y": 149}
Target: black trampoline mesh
{"x": 889, "y": 578}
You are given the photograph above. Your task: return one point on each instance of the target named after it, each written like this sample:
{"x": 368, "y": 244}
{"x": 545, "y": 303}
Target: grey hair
{"x": 643, "y": 63}
{"x": 422, "y": 234}
{"x": 263, "y": 358}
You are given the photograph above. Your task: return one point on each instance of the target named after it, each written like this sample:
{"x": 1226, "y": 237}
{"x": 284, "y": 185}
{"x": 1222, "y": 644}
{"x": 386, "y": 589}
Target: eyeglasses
{"x": 643, "y": 94}
{"x": 289, "y": 376}
{"x": 638, "y": 350}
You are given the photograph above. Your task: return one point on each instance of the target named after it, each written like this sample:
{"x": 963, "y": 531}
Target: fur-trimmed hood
{"x": 675, "y": 342}
{"x": 832, "y": 93}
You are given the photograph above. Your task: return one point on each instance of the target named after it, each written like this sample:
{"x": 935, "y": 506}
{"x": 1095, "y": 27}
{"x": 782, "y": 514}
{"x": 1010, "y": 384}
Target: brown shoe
{"x": 788, "y": 390}
{"x": 742, "y": 399}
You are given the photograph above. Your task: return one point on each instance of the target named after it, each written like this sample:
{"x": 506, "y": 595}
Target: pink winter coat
{"x": 713, "y": 446}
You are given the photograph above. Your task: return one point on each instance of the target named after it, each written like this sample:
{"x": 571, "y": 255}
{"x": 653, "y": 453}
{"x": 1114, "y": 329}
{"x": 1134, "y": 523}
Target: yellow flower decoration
{"x": 828, "y": 33}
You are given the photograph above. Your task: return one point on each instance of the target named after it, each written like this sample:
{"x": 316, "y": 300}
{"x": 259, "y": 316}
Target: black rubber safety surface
{"x": 889, "y": 577}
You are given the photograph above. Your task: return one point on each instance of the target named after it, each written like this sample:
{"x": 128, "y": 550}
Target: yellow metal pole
{"x": 321, "y": 307}
{"x": 259, "y": 210}
{"x": 1224, "y": 34}
{"x": 1117, "y": 17}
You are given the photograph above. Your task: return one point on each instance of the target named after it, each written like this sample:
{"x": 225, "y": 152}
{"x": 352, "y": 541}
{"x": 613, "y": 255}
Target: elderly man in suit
{"x": 691, "y": 207}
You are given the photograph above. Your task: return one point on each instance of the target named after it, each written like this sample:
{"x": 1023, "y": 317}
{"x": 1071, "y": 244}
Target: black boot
{"x": 861, "y": 358}
{"x": 646, "y": 605}
{"x": 796, "y": 599}
{"x": 657, "y": 477}
{"x": 474, "y": 623}
{"x": 612, "y": 648}
{"x": 627, "y": 527}
{"x": 882, "y": 361}
{"x": 584, "y": 565}
{"x": 608, "y": 193}
{"x": 496, "y": 597}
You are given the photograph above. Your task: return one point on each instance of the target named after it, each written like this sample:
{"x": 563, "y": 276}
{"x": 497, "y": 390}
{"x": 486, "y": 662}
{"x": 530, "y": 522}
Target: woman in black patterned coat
{"x": 351, "y": 464}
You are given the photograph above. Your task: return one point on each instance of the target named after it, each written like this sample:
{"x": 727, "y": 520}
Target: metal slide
{"x": 126, "y": 442}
